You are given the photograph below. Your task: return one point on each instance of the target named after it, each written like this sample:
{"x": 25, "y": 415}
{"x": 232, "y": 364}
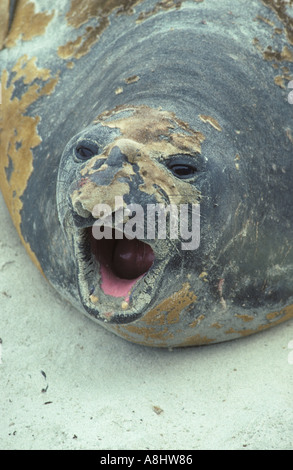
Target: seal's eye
{"x": 85, "y": 151}
{"x": 182, "y": 169}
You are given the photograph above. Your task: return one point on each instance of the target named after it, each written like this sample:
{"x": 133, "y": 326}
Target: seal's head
{"x": 122, "y": 182}
{"x": 150, "y": 265}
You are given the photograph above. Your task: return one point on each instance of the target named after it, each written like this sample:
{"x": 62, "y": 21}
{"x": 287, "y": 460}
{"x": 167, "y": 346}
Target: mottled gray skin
{"x": 212, "y": 59}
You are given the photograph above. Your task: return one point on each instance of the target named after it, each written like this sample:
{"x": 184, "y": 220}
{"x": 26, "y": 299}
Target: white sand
{"x": 102, "y": 389}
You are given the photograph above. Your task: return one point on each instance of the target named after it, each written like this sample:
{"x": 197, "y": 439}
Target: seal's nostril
{"x": 115, "y": 157}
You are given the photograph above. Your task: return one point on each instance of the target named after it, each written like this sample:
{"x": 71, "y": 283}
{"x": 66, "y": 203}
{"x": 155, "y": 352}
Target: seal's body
{"x": 147, "y": 102}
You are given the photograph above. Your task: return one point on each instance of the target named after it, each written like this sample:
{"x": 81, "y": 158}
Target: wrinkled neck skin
{"x": 184, "y": 107}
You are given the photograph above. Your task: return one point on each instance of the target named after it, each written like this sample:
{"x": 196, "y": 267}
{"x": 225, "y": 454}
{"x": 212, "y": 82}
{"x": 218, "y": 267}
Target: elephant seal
{"x": 110, "y": 108}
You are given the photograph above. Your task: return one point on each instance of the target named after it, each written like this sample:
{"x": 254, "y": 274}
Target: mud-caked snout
{"x": 119, "y": 196}
{"x": 125, "y": 170}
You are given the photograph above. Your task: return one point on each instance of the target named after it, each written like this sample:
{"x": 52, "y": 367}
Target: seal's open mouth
{"x": 117, "y": 278}
{"x": 122, "y": 263}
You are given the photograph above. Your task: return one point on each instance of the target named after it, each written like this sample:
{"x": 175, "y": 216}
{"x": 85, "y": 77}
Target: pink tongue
{"x": 132, "y": 258}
